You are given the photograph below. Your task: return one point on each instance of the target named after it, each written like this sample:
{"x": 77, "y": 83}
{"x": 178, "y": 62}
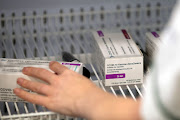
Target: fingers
{"x": 30, "y": 97}
{"x": 57, "y": 67}
{"x": 35, "y": 86}
{"x": 40, "y": 73}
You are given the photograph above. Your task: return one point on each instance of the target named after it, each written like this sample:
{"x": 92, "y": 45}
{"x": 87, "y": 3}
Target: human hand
{"x": 66, "y": 91}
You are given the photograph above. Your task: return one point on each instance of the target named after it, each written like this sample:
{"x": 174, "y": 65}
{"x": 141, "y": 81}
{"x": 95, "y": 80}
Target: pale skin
{"x": 70, "y": 93}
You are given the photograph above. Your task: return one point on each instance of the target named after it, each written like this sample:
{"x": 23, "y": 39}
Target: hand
{"x": 66, "y": 91}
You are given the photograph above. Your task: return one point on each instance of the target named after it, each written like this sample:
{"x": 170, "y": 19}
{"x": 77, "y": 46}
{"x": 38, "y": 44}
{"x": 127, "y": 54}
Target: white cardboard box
{"x": 118, "y": 59}
{"x": 152, "y": 44}
{"x": 10, "y": 70}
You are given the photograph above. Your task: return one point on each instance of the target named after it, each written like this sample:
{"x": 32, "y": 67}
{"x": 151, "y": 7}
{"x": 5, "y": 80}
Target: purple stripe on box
{"x": 71, "y": 64}
{"x": 114, "y": 76}
{"x": 125, "y": 34}
{"x": 100, "y": 33}
{"x": 155, "y": 34}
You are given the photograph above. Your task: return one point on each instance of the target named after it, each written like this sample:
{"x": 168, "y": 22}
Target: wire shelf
{"x": 42, "y": 30}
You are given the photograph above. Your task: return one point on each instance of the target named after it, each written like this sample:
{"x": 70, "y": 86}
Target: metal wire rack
{"x": 42, "y": 29}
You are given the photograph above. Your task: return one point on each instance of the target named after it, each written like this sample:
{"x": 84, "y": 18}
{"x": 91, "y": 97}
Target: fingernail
{"x": 16, "y": 90}
{"x": 51, "y": 62}
{"x": 19, "y": 80}
{"x": 25, "y": 69}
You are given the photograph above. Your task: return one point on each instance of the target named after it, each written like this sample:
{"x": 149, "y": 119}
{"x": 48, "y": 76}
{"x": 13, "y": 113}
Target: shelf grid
{"x": 38, "y": 33}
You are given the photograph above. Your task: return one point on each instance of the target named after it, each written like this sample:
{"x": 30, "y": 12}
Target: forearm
{"x": 118, "y": 109}
{"x": 105, "y": 106}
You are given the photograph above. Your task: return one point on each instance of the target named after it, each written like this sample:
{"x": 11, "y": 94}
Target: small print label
{"x": 100, "y": 33}
{"x": 155, "y": 34}
{"x": 114, "y": 76}
{"x": 126, "y": 34}
{"x": 71, "y": 64}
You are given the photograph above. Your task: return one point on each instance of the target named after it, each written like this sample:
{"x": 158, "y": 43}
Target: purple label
{"x": 100, "y": 33}
{"x": 114, "y": 76}
{"x": 71, "y": 64}
{"x": 125, "y": 34}
{"x": 155, "y": 34}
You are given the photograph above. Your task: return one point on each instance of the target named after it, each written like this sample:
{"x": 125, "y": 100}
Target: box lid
{"x": 115, "y": 45}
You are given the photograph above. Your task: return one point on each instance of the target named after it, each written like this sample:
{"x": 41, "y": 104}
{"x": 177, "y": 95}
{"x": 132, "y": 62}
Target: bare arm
{"x": 69, "y": 93}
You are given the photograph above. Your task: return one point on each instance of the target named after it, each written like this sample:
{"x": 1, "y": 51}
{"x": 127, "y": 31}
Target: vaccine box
{"x": 11, "y": 69}
{"x": 118, "y": 58}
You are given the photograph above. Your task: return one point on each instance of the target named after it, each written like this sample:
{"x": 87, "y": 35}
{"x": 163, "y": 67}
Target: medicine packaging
{"x": 118, "y": 58}
{"x": 11, "y": 70}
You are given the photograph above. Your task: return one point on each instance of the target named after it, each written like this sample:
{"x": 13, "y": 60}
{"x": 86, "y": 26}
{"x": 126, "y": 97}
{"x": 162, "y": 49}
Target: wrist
{"x": 116, "y": 108}
{"x": 86, "y": 105}
{"x": 105, "y": 107}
